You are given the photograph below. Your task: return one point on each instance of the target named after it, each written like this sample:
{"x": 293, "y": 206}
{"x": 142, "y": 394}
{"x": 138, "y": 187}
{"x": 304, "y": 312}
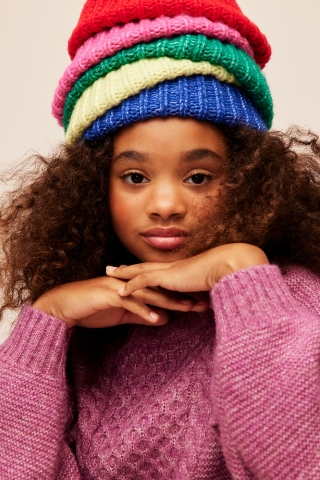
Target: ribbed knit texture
{"x": 108, "y": 43}
{"x": 111, "y": 90}
{"x": 200, "y": 97}
{"x": 112, "y": 42}
{"x": 29, "y": 349}
{"x": 175, "y": 402}
{"x": 98, "y": 15}
{"x": 196, "y": 48}
{"x": 32, "y": 396}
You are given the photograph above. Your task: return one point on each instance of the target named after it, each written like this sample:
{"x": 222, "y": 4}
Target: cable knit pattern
{"x": 99, "y": 15}
{"x": 111, "y": 90}
{"x": 196, "y": 48}
{"x": 108, "y": 43}
{"x": 229, "y": 396}
{"x": 198, "y": 97}
{"x": 155, "y": 390}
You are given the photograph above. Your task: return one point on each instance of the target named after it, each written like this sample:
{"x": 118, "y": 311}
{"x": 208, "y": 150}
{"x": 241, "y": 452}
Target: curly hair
{"x": 55, "y": 225}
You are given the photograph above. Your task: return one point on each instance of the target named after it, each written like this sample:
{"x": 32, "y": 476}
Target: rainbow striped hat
{"x": 137, "y": 59}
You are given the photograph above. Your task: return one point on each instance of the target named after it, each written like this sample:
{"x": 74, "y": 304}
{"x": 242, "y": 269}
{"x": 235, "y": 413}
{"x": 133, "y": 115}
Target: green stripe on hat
{"x": 193, "y": 47}
{"x": 109, "y": 91}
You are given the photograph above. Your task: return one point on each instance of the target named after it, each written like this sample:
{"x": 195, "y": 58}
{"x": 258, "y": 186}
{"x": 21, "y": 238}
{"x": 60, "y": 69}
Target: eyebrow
{"x": 131, "y": 155}
{"x": 200, "y": 153}
{"x": 196, "y": 154}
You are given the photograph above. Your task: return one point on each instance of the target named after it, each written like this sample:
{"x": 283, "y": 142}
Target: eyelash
{"x": 198, "y": 172}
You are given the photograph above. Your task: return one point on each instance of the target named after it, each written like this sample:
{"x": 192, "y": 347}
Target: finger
{"x": 172, "y": 279}
{"x": 177, "y": 297}
{"x": 200, "y": 296}
{"x": 139, "y": 309}
{"x": 144, "y": 280}
{"x": 131, "y": 271}
{"x": 118, "y": 316}
{"x": 133, "y": 318}
{"x": 110, "y": 298}
{"x": 200, "y": 307}
{"x": 165, "y": 299}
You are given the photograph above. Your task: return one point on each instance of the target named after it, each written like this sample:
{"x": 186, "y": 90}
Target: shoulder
{"x": 304, "y": 285}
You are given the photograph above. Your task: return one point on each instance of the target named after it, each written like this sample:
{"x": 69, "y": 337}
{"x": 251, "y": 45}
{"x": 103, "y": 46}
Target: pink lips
{"x": 165, "y": 238}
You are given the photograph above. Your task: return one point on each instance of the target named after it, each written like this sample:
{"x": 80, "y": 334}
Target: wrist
{"x": 239, "y": 256}
{"x": 42, "y": 305}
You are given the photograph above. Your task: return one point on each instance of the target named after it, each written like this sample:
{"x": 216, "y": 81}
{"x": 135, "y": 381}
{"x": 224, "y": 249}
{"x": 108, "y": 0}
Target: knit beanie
{"x": 138, "y": 59}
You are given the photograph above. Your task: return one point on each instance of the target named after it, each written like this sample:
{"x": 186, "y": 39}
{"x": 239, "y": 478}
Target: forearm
{"x": 266, "y": 380}
{"x": 33, "y": 397}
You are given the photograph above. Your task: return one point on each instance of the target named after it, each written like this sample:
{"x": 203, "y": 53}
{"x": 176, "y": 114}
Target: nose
{"x": 166, "y": 200}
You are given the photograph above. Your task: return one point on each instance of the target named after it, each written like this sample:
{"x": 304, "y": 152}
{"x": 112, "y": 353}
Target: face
{"x": 165, "y": 186}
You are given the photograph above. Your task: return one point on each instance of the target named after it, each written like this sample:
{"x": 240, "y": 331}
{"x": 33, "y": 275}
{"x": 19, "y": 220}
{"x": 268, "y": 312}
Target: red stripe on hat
{"x": 99, "y": 15}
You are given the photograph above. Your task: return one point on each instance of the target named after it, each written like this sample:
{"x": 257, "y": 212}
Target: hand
{"x": 96, "y": 303}
{"x": 195, "y": 274}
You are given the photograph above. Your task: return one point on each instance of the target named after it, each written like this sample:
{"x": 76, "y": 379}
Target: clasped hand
{"x": 144, "y": 293}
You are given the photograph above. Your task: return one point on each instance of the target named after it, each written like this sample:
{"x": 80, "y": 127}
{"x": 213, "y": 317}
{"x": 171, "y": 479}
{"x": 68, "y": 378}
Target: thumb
{"x": 164, "y": 317}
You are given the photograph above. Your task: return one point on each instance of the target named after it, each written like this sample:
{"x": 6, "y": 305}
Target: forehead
{"x": 175, "y": 135}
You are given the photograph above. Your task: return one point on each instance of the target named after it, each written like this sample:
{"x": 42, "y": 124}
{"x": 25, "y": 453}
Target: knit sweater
{"x": 232, "y": 393}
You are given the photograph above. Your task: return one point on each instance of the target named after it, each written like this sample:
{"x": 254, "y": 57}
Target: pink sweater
{"x": 234, "y": 395}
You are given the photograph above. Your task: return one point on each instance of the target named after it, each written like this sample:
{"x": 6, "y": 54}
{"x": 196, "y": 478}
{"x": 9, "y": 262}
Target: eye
{"x": 135, "y": 178}
{"x": 199, "y": 179}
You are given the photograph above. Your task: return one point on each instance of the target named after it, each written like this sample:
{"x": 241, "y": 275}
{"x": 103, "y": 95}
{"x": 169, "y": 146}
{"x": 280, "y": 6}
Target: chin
{"x": 164, "y": 256}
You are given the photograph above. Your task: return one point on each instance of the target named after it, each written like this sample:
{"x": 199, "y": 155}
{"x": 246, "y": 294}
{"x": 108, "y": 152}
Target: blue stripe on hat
{"x": 200, "y": 97}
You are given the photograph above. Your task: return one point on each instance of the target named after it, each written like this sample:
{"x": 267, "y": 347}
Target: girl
{"x": 208, "y": 225}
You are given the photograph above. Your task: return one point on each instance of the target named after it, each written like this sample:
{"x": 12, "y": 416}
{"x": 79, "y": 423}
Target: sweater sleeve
{"x": 34, "y": 400}
{"x": 266, "y": 381}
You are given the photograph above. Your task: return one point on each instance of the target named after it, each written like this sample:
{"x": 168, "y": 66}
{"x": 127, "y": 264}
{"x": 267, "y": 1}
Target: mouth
{"x": 165, "y": 238}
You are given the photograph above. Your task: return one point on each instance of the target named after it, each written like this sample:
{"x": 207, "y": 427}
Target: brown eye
{"x": 136, "y": 178}
{"x": 198, "y": 179}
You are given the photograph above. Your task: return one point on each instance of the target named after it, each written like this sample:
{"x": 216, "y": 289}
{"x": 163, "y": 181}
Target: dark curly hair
{"x": 55, "y": 225}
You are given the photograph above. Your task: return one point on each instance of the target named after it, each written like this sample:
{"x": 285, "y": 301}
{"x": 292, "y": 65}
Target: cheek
{"x": 205, "y": 208}
{"x": 206, "y": 224}
{"x": 126, "y": 211}
{"x": 120, "y": 209}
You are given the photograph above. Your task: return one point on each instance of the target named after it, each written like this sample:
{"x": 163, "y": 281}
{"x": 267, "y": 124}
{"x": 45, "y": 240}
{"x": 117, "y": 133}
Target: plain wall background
{"x": 33, "y": 54}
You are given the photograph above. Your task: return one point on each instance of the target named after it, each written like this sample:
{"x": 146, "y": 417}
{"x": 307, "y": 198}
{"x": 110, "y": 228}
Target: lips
{"x": 165, "y": 238}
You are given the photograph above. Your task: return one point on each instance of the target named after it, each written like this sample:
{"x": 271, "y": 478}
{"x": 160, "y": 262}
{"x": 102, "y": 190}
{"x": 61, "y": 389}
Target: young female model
{"x": 207, "y": 226}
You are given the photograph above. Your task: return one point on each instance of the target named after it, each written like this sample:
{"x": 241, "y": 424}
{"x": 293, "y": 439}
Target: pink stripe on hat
{"x": 107, "y": 43}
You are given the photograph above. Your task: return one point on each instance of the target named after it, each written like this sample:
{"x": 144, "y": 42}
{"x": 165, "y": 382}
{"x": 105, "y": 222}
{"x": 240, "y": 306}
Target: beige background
{"x": 34, "y": 35}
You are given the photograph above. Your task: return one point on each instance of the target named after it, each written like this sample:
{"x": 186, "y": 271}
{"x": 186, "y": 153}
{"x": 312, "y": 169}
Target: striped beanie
{"x": 137, "y": 59}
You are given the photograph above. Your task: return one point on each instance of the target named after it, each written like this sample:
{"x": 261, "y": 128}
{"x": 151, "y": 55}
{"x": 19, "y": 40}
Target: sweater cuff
{"x": 38, "y": 341}
{"x": 254, "y": 298}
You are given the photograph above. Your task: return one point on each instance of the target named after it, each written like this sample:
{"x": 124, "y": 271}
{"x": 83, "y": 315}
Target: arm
{"x": 266, "y": 385}
{"x": 33, "y": 389}
{"x": 34, "y": 401}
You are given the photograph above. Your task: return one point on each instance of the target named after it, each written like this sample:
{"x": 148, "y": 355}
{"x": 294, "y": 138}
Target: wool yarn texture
{"x": 98, "y": 15}
{"x": 193, "y": 47}
{"x": 112, "y": 65}
{"x": 120, "y": 84}
{"x": 108, "y": 43}
{"x": 199, "y": 97}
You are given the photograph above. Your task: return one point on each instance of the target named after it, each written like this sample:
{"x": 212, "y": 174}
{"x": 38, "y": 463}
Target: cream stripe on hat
{"x": 130, "y": 79}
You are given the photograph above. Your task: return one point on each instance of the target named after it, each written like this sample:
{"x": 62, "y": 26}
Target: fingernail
{"x": 121, "y": 291}
{"x": 110, "y": 268}
{"x": 154, "y": 316}
{"x": 186, "y": 302}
